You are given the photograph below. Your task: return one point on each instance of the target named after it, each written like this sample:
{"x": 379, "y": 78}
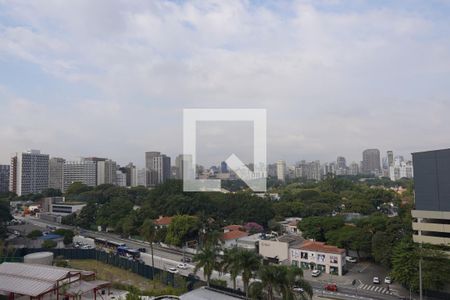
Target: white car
{"x": 388, "y": 280}
{"x": 298, "y": 289}
{"x": 350, "y": 259}
{"x": 376, "y": 280}
{"x": 182, "y": 266}
{"x": 173, "y": 270}
{"x": 315, "y": 273}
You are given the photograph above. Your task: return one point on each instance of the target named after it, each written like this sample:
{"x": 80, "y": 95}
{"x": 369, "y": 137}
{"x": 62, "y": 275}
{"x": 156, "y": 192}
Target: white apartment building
{"x": 318, "y": 256}
{"x": 106, "y": 172}
{"x": 121, "y": 179}
{"x": 29, "y": 172}
{"x": 281, "y": 170}
{"x": 79, "y": 171}
{"x": 401, "y": 169}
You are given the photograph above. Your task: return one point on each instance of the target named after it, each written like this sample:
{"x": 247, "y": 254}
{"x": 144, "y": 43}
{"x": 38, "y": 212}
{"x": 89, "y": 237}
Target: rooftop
{"x": 232, "y": 235}
{"x": 32, "y": 280}
{"x": 233, "y": 227}
{"x": 321, "y": 247}
{"x": 162, "y": 220}
{"x": 205, "y": 293}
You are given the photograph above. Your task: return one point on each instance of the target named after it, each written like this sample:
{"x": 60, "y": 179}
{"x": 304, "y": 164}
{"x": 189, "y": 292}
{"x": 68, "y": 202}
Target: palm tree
{"x": 148, "y": 231}
{"x": 206, "y": 259}
{"x": 231, "y": 263}
{"x": 293, "y": 277}
{"x": 270, "y": 277}
{"x": 249, "y": 262}
{"x": 283, "y": 279}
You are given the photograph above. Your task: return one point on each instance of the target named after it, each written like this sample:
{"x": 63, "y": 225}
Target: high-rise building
{"x": 281, "y": 170}
{"x": 132, "y": 174}
{"x": 94, "y": 160}
{"x": 56, "y": 173}
{"x": 401, "y": 170}
{"x": 180, "y": 161}
{"x": 142, "y": 177}
{"x": 341, "y": 162}
{"x": 223, "y": 167}
{"x": 158, "y": 166}
{"x": 106, "y": 172}
{"x": 390, "y": 158}
{"x": 84, "y": 171}
{"x": 4, "y": 178}
{"x": 371, "y": 163}
{"x": 29, "y": 172}
{"x": 161, "y": 165}
{"x": 431, "y": 216}
{"x": 354, "y": 168}
{"x": 121, "y": 178}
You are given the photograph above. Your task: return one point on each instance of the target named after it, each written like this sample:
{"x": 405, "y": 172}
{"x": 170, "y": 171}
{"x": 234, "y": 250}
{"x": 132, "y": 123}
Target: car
{"x": 182, "y": 266}
{"x": 142, "y": 250}
{"x": 186, "y": 259}
{"x": 297, "y": 289}
{"x": 332, "y": 287}
{"x": 315, "y": 273}
{"x": 172, "y": 270}
{"x": 376, "y": 280}
{"x": 350, "y": 259}
{"x": 388, "y": 280}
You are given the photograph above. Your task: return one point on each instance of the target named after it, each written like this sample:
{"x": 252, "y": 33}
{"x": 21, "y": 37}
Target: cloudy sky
{"x": 111, "y": 78}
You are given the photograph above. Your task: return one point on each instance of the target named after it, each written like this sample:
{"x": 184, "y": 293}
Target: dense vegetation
{"x": 365, "y": 216}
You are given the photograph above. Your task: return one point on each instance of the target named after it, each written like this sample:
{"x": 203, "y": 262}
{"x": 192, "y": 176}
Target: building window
{"x": 304, "y": 255}
{"x": 321, "y": 258}
{"x": 333, "y": 259}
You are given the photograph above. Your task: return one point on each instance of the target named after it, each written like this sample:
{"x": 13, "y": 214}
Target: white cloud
{"x": 334, "y": 81}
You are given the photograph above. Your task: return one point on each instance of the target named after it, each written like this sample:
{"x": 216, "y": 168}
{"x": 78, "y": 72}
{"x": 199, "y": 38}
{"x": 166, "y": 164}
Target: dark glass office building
{"x": 431, "y": 217}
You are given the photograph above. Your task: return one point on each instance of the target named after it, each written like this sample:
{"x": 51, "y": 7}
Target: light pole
{"x": 420, "y": 272}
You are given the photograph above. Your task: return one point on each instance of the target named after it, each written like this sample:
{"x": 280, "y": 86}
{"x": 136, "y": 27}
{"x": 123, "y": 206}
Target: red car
{"x": 332, "y": 287}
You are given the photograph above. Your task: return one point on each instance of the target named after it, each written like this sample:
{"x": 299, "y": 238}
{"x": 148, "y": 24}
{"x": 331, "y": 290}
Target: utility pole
{"x": 420, "y": 272}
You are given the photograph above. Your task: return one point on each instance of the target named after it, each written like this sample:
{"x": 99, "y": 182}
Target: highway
{"x": 165, "y": 258}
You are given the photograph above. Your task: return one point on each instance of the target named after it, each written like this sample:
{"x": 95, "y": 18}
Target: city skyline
{"x": 383, "y": 155}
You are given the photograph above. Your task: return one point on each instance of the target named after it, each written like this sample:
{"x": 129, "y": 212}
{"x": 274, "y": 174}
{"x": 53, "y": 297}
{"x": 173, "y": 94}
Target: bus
{"x": 128, "y": 252}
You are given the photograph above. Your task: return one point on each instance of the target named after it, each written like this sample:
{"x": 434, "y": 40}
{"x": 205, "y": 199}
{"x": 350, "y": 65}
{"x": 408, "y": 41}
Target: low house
{"x": 230, "y": 238}
{"x": 290, "y": 225}
{"x": 318, "y": 256}
{"x": 277, "y": 249}
{"x": 162, "y": 221}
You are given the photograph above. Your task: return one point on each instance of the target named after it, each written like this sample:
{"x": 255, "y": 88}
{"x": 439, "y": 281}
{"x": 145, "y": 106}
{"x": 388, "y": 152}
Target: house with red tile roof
{"x": 318, "y": 256}
{"x": 163, "y": 221}
{"x": 230, "y": 238}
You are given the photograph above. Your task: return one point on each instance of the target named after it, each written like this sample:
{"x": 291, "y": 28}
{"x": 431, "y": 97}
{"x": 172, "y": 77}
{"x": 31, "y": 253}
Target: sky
{"x": 111, "y": 78}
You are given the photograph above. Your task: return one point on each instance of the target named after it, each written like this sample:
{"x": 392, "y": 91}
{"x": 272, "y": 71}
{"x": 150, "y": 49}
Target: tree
{"x": 87, "y": 216}
{"x": 382, "y": 246}
{"x": 231, "y": 263}
{"x": 317, "y": 227}
{"x": 270, "y": 278}
{"x": 5, "y": 216}
{"x": 148, "y": 232}
{"x": 67, "y": 234}
{"x": 49, "y": 244}
{"x": 34, "y": 234}
{"x": 249, "y": 263}
{"x": 405, "y": 266}
{"x": 181, "y": 229}
{"x": 283, "y": 279}
{"x": 206, "y": 259}
{"x": 77, "y": 188}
